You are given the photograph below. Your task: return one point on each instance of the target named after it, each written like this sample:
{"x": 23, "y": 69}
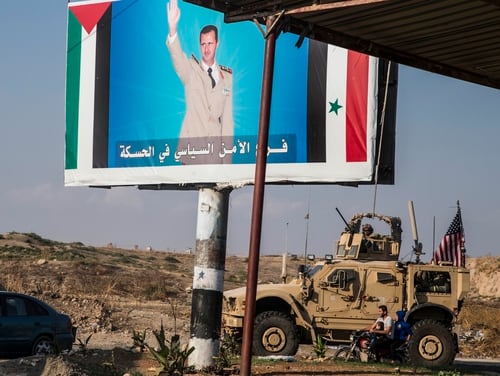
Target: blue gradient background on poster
{"x": 147, "y": 98}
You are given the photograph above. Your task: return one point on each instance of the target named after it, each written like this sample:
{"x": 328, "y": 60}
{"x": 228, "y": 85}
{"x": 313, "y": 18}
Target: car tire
{"x": 431, "y": 344}
{"x": 274, "y": 334}
{"x": 43, "y": 345}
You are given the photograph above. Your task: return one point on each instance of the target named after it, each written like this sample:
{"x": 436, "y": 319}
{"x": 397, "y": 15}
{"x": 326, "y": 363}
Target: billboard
{"x": 142, "y": 107}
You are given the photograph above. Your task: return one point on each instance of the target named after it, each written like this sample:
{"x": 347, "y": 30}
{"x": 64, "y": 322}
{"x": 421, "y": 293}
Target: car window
{"x": 15, "y": 307}
{"x": 35, "y": 309}
{"x": 18, "y": 306}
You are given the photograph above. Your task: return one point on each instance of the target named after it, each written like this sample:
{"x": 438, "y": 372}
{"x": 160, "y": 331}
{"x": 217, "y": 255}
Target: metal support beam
{"x": 336, "y": 5}
{"x": 258, "y": 199}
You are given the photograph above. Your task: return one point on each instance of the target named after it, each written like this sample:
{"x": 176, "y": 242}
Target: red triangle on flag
{"x": 89, "y": 14}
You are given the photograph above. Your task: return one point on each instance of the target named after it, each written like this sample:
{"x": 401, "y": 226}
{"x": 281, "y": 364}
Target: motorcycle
{"x": 361, "y": 350}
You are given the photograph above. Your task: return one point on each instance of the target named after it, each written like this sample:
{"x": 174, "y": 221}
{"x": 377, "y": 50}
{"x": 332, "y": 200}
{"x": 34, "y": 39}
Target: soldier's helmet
{"x": 367, "y": 229}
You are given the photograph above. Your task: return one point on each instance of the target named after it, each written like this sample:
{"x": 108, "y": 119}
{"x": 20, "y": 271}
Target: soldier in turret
{"x": 367, "y": 242}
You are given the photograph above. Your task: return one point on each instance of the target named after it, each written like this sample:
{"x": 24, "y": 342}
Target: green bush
{"x": 171, "y": 355}
{"x": 171, "y": 260}
{"x": 319, "y": 347}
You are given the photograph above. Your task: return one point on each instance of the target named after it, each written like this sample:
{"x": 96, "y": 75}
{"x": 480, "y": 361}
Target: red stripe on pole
{"x": 356, "y": 107}
{"x": 89, "y": 14}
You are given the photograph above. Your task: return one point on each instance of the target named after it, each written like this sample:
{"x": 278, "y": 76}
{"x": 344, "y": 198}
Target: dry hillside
{"x": 112, "y": 292}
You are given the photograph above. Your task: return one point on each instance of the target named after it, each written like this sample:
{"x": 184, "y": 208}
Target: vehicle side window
{"x": 341, "y": 250}
{"x": 385, "y": 277}
{"x": 432, "y": 281}
{"x": 314, "y": 270}
{"x": 341, "y": 278}
{"x": 353, "y": 250}
{"x": 34, "y": 309}
{"x": 14, "y": 307}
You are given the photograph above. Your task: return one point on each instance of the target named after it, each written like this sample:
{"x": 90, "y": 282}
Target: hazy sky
{"x": 446, "y": 150}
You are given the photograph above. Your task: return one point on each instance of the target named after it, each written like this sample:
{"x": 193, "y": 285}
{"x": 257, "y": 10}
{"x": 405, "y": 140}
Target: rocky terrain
{"x": 113, "y": 293}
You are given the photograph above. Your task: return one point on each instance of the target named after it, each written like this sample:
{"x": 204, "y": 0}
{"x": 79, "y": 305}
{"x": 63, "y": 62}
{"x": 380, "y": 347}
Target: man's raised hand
{"x": 173, "y": 16}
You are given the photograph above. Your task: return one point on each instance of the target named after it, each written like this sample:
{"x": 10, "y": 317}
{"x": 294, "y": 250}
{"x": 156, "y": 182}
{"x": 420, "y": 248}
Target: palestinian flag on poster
{"x": 342, "y": 105}
{"x": 87, "y": 84}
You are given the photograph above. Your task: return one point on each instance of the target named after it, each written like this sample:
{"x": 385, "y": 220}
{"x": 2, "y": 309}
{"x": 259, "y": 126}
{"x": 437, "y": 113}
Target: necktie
{"x": 209, "y": 70}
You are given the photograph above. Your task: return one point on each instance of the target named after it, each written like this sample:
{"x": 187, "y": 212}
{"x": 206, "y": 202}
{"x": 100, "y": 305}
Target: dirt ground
{"x": 123, "y": 362}
{"x": 111, "y": 293}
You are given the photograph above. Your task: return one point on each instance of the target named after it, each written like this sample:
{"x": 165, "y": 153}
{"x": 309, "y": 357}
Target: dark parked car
{"x": 29, "y": 326}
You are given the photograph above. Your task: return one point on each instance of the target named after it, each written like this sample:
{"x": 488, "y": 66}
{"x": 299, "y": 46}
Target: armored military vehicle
{"x": 331, "y": 298}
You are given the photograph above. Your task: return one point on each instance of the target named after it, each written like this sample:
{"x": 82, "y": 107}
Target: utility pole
{"x": 208, "y": 276}
{"x": 258, "y": 197}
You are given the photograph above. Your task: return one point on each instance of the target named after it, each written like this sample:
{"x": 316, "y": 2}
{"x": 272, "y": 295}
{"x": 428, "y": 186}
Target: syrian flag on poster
{"x": 87, "y": 85}
{"x": 347, "y": 85}
{"x": 351, "y": 108}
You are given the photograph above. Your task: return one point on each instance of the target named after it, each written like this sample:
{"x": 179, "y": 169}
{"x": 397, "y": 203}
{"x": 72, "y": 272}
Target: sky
{"x": 447, "y": 139}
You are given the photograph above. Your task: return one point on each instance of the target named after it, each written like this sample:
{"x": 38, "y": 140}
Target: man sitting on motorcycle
{"x": 381, "y": 336}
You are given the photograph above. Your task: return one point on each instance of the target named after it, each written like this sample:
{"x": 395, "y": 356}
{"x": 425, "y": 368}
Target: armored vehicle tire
{"x": 343, "y": 354}
{"x": 431, "y": 344}
{"x": 274, "y": 334}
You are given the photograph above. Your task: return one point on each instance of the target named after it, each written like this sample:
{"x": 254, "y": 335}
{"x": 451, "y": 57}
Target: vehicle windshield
{"x": 312, "y": 270}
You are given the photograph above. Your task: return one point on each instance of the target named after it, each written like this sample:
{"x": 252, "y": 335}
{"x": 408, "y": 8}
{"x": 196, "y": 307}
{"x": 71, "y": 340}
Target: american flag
{"x": 452, "y": 247}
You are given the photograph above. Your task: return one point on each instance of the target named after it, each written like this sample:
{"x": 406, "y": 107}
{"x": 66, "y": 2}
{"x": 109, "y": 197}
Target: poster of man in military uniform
{"x": 207, "y": 127}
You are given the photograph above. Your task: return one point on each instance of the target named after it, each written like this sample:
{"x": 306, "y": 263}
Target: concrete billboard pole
{"x": 208, "y": 278}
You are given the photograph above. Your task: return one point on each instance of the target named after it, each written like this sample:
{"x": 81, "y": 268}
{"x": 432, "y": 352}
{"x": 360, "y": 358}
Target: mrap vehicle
{"x": 332, "y": 298}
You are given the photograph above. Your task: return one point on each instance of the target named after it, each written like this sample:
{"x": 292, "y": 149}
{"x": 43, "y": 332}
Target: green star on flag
{"x": 335, "y": 106}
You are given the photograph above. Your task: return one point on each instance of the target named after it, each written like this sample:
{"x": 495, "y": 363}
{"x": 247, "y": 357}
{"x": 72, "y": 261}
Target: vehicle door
{"x": 338, "y": 291}
{"x": 21, "y": 322}
{"x": 382, "y": 287}
{"x": 14, "y": 336}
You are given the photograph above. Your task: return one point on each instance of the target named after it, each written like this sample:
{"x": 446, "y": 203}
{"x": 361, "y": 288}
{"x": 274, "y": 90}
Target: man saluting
{"x": 208, "y": 121}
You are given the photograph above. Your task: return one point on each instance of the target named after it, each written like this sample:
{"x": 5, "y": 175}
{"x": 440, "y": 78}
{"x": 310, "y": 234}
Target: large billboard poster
{"x": 146, "y": 107}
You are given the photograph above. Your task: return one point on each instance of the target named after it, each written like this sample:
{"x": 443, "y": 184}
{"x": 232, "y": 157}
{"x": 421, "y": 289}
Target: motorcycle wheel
{"x": 344, "y": 353}
{"x": 403, "y": 355}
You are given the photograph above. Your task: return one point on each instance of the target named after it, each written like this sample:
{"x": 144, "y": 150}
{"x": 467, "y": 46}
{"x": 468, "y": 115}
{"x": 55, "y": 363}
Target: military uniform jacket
{"x": 209, "y": 111}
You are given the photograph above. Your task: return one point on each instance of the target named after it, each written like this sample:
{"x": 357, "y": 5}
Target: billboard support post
{"x": 208, "y": 276}
{"x": 258, "y": 197}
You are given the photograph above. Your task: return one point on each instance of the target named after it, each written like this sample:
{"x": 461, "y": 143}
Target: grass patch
{"x": 171, "y": 260}
{"x": 17, "y": 252}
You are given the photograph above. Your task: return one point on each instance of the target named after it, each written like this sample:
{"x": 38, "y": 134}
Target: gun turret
{"x": 347, "y": 226}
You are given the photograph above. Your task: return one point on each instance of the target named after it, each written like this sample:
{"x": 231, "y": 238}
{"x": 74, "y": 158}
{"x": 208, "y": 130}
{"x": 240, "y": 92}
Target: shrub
{"x": 319, "y": 347}
{"x": 171, "y": 355}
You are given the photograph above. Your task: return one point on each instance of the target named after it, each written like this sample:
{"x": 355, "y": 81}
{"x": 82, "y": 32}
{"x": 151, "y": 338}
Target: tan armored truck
{"x": 331, "y": 298}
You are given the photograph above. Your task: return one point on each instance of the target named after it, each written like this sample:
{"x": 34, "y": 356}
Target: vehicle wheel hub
{"x": 274, "y": 339}
{"x": 430, "y": 347}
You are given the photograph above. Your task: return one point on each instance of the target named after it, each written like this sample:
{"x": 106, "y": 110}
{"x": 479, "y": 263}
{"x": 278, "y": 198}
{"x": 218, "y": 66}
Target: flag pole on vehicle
{"x": 452, "y": 246}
